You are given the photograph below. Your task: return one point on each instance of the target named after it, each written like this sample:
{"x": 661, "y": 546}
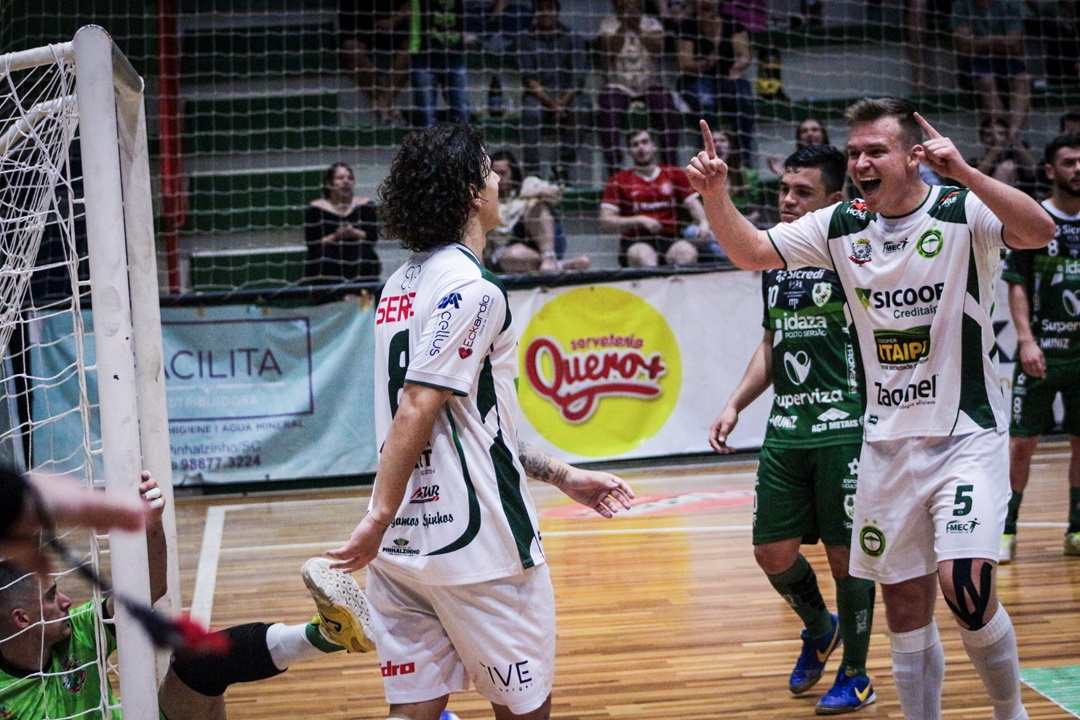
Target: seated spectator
{"x": 989, "y": 39}
{"x": 375, "y": 46}
{"x": 631, "y": 44}
{"x": 1004, "y": 158}
{"x": 529, "y": 237}
{"x": 810, "y": 131}
{"x": 713, "y": 57}
{"x": 340, "y": 231}
{"x": 437, "y": 47}
{"x": 644, "y": 205}
{"x": 554, "y": 69}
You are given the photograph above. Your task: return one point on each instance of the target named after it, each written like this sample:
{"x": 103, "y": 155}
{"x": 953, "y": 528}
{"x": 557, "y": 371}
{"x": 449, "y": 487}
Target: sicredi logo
{"x": 601, "y": 371}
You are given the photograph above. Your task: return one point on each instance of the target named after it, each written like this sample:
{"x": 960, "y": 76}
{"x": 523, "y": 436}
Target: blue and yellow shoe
{"x": 811, "y": 663}
{"x": 850, "y": 692}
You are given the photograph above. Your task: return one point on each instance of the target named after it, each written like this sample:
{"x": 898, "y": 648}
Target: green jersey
{"x": 817, "y": 395}
{"x": 71, "y": 685}
{"x": 1051, "y": 277}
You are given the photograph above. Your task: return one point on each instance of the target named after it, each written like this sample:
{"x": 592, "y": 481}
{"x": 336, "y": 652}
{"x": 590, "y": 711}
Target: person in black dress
{"x": 340, "y": 230}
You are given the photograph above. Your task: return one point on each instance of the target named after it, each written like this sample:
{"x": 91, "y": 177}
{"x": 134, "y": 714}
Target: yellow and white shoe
{"x": 344, "y": 618}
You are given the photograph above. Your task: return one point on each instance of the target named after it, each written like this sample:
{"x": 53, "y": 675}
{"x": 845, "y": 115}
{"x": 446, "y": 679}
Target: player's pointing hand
{"x": 707, "y": 173}
{"x": 939, "y": 153}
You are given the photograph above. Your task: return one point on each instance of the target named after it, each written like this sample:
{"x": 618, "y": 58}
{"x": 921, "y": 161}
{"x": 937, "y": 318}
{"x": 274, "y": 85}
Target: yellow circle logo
{"x": 601, "y": 371}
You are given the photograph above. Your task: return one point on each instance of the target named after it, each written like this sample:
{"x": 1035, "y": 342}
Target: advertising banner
{"x": 254, "y": 393}
{"x": 637, "y": 368}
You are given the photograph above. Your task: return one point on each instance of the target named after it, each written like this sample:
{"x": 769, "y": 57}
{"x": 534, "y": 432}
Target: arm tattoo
{"x": 537, "y": 465}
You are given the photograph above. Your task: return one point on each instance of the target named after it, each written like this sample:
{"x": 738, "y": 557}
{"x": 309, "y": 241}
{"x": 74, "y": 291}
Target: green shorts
{"x": 1033, "y": 400}
{"x": 807, "y": 493}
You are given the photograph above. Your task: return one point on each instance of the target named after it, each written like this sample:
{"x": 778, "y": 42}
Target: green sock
{"x": 1015, "y": 499}
{"x": 798, "y": 585}
{"x": 1074, "y": 510}
{"x": 855, "y": 606}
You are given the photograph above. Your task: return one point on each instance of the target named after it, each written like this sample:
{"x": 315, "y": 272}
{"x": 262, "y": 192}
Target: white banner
{"x": 636, "y": 368}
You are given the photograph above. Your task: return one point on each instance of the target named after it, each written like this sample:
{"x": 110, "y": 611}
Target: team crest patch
{"x": 74, "y": 676}
{"x": 872, "y": 541}
{"x": 821, "y": 293}
{"x": 860, "y": 251}
{"x": 930, "y": 243}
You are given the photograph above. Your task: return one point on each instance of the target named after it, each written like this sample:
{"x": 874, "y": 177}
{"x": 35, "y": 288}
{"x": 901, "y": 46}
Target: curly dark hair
{"x": 435, "y": 176}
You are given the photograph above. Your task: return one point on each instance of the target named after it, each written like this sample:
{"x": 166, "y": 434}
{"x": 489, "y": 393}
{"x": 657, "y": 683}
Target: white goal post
{"x": 41, "y": 117}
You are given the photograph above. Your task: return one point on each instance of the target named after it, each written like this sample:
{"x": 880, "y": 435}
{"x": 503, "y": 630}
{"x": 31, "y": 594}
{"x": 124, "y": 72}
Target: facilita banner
{"x": 254, "y": 393}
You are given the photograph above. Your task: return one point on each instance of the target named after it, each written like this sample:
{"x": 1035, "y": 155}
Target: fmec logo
{"x": 602, "y": 371}
{"x": 961, "y": 527}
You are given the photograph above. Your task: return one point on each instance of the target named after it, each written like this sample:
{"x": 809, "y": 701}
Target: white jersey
{"x": 467, "y": 515}
{"x": 920, "y": 290}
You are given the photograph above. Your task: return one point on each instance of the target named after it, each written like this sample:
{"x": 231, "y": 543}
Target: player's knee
{"x": 773, "y": 558}
{"x": 969, "y": 592}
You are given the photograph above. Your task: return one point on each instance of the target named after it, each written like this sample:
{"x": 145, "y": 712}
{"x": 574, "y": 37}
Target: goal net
{"x": 80, "y": 381}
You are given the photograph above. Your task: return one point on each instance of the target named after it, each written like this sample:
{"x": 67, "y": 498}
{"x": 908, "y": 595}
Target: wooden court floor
{"x": 662, "y": 610}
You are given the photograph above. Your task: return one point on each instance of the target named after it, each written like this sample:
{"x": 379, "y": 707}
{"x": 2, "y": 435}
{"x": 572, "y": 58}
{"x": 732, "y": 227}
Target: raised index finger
{"x": 707, "y": 138}
{"x": 927, "y": 126}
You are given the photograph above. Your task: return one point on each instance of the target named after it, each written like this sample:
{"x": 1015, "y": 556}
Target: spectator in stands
{"x": 645, "y": 205}
{"x": 1069, "y": 123}
{"x": 927, "y": 26}
{"x": 437, "y": 45}
{"x": 1004, "y": 157}
{"x": 810, "y": 131}
{"x": 499, "y": 23}
{"x": 529, "y": 237}
{"x": 989, "y": 39}
{"x": 671, "y": 14}
{"x": 631, "y": 43}
{"x": 1055, "y": 23}
{"x": 375, "y": 46}
{"x": 554, "y": 68}
{"x": 713, "y": 57}
{"x": 340, "y": 231}
{"x": 743, "y": 184}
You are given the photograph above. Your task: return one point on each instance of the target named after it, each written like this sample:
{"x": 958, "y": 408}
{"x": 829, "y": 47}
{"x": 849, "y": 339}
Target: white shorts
{"x": 434, "y": 639}
{"x": 924, "y": 500}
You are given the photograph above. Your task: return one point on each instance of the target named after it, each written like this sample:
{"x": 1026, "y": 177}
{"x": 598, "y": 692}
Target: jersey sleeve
{"x": 457, "y": 334}
{"x": 803, "y": 243}
{"x": 988, "y": 232}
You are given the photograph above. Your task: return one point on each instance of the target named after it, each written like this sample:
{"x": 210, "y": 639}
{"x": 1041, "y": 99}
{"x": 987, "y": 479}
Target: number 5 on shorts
{"x": 963, "y": 500}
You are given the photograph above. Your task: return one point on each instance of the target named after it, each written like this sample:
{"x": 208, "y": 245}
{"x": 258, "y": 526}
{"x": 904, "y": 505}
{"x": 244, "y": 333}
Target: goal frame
{"x": 126, "y": 320}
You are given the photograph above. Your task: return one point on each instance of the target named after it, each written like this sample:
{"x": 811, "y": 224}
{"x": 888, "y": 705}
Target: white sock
{"x": 918, "y": 663}
{"x": 992, "y": 650}
{"x": 289, "y": 643}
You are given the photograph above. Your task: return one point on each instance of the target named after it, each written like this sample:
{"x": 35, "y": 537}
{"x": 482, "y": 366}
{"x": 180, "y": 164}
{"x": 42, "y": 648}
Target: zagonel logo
{"x": 601, "y": 371}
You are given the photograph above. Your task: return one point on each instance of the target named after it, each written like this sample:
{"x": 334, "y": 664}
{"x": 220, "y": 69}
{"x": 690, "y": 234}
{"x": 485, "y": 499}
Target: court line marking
{"x": 202, "y": 602}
